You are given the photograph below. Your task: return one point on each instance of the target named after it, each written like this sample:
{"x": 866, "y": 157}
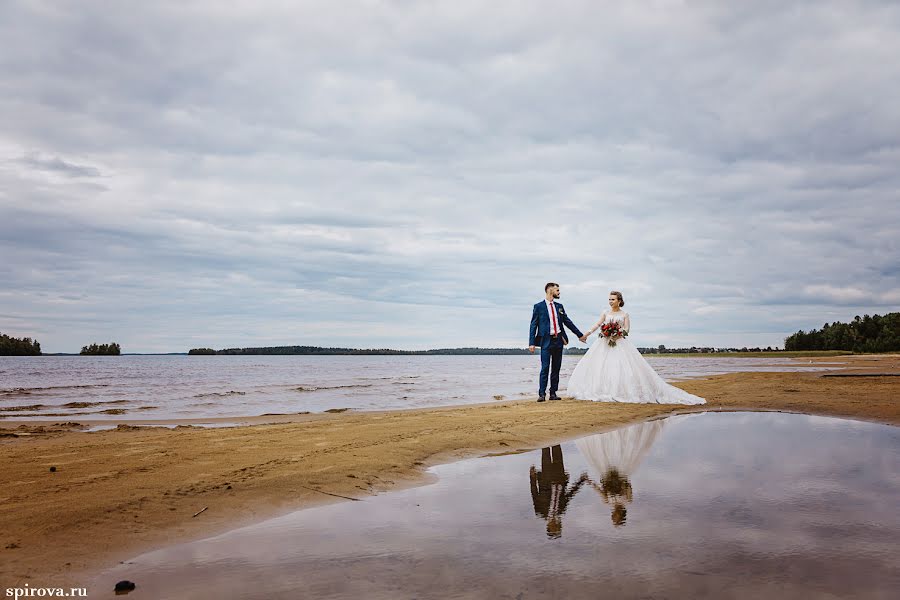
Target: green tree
{"x": 870, "y": 333}
{"x": 111, "y": 349}
{"x": 10, "y": 346}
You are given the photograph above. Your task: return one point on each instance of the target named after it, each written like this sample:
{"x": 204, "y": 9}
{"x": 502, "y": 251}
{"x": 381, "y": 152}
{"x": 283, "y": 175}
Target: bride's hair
{"x": 619, "y": 296}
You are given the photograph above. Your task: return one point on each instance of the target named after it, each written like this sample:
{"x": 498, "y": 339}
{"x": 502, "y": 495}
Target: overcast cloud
{"x": 410, "y": 174}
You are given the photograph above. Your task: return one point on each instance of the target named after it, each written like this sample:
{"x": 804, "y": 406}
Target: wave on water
{"x": 220, "y": 394}
{"x": 24, "y": 408}
{"x": 314, "y": 388}
{"x": 41, "y": 410}
{"x": 29, "y": 390}
{"x": 90, "y": 404}
{"x": 66, "y": 405}
{"x": 42, "y": 414}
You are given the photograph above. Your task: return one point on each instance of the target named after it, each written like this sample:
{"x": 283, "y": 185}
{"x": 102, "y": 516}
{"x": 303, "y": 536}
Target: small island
{"x": 10, "y": 346}
{"x": 111, "y": 349}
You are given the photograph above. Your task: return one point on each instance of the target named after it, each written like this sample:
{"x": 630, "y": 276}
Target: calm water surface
{"x": 727, "y": 505}
{"x": 197, "y": 387}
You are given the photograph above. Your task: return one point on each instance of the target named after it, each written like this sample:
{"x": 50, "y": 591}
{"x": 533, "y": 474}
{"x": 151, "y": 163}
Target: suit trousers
{"x": 551, "y": 361}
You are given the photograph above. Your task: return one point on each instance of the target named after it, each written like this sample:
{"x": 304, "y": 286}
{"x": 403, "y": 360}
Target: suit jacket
{"x": 541, "y": 327}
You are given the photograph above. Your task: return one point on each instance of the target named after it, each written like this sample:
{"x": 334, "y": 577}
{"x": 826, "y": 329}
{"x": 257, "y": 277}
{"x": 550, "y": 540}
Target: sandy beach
{"x": 75, "y": 502}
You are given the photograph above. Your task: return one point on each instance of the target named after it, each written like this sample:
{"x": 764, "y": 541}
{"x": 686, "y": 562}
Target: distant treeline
{"x": 10, "y": 346}
{"x": 574, "y": 350}
{"x": 201, "y": 351}
{"x": 354, "y": 351}
{"x": 703, "y": 350}
{"x": 111, "y": 349}
{"x": 867, "y": 334}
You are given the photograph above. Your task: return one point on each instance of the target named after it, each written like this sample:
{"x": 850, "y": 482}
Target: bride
{"x": 618, "y": 373}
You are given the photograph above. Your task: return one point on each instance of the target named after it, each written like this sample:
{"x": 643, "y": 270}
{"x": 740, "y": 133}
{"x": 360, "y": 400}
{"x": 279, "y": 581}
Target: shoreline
{"x": 117, "y": 493}
{"x": 33, "y": 412}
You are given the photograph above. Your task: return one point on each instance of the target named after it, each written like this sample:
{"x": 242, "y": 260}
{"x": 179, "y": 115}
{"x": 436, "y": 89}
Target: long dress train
{"x": 620, "y": 374}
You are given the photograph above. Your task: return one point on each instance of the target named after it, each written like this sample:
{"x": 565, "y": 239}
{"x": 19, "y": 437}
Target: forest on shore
{"x": 874, "y": 333}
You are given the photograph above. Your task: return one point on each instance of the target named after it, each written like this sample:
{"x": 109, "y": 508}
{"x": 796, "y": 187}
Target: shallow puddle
{"x": 717, "y": 505}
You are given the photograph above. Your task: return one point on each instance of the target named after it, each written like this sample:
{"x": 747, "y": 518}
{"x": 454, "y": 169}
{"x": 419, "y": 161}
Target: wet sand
{"x": 116, "y": 493}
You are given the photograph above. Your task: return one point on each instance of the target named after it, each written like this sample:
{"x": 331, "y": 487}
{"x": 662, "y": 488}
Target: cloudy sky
{"x": 410, "y": 174}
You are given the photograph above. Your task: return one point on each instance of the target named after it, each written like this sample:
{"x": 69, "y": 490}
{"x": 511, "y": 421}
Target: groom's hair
{"x": 550, "y": 285}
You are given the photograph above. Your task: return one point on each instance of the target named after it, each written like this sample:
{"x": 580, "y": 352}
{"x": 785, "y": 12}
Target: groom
{"x": 547, "y": 331}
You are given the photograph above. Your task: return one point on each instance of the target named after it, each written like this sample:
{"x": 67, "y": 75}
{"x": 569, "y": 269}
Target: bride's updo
{"x": 619, "y": 296}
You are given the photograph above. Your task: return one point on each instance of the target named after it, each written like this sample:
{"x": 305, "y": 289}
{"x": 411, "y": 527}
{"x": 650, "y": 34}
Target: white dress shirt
{"x": 554, "y": 318}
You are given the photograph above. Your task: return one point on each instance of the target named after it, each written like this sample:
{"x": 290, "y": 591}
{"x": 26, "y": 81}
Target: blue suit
{"x": 551, "y": 347}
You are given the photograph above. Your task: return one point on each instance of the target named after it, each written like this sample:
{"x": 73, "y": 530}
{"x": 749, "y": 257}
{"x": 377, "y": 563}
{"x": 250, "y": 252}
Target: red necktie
{"x": 553, "y": 315}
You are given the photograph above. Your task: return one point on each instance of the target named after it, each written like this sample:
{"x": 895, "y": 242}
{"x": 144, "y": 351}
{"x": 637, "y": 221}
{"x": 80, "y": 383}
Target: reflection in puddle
{"x": 614, "y": 456}
{"x": 738, "y": 505}
{"x": 550, "y": 489}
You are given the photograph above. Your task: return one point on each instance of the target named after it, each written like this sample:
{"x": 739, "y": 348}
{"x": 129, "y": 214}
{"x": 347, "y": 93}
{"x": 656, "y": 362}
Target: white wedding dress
{"x": 620, "y": 374}
{"x": 613, "y": 457}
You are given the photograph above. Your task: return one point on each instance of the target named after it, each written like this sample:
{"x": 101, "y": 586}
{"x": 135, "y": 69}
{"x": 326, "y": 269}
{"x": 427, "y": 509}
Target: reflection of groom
{"x": 547, "y": 331}
{"x": 550, "y": 491}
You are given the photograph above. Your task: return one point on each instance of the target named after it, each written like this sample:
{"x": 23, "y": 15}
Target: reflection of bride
{"x": 613, "y": 457}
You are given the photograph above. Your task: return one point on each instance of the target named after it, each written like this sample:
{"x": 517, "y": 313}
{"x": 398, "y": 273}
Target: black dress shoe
{"x": 554, "y": 397}
{"x": 541, "y": 398}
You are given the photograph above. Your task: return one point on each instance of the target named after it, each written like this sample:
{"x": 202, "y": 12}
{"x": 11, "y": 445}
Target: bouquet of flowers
{"x": 612, "y": 331}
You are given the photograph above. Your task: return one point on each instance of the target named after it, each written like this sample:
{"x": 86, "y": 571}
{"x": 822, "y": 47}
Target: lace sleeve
{"x": 597, "y": 324}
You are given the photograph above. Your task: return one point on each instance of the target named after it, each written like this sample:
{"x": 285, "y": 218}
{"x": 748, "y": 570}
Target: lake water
{"x": 712, "y": 505}
{"x": 198, "y": 387}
